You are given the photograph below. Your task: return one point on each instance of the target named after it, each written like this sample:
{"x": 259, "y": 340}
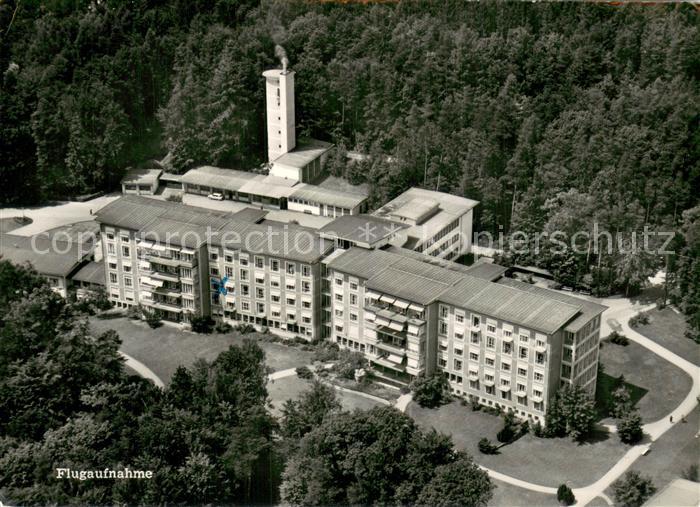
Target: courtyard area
{"x": 545, "y": 461}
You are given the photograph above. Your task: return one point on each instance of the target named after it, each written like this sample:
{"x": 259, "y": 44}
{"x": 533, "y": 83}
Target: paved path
{"x": 60, "y": 214}
{"x": 142, "y": 369}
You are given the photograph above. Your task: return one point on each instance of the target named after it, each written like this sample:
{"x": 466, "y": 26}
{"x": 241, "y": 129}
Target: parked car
{"x": 216, "y": 196}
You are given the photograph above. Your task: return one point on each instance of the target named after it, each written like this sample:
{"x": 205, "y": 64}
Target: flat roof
{"x": 47, "y": 256}
{"x": 92, "y": 272}
{"x": 589, "y": 309}
{"x": 192, "y": 226}
{"x": 305, "y": 152}
{"x": 361, "y": 229}
{"x": 327, "y": 196}
{"x": 254, "y": 215}
{"x": 421, "y": 282}
{"x": 217, "y": 177}
{"x": 480, "y": 269}
{"x": 142, "y": 176}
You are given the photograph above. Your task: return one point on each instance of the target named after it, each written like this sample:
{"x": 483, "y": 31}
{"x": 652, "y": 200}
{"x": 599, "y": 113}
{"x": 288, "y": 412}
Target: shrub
{"x": 538, "y": 430}
{"x": 304, "y": 372}
{"x": 135, "y": 312}
{"x": 571, "y": 413}
{"x": 244, "y": 328}
{"x": 431, "y": 391}
{"x": 620, "y": 402}
{"x": 326, "y": 351}
{"x": 641, "y": 319}
{"x": 691, "y": 473}
{"x": 618, "y": 339}
{"x": 487, "y": 447}
{"x": 629, "y": 428}
{"x": 506, "y": 435}
{"x": 632, "y": 489}
{"x": 222, "y": 327}
{"x": 174, "y": 198}
{"x": 152, "y": 318}
{"x": 348, "y": 362}
{"x": 202, "y": 325}
{"x": 565, "y": 496}
{"x": 661, "y": 303}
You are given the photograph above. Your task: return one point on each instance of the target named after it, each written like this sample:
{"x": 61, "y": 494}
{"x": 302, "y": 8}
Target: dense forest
{"x": 555, "y": 116}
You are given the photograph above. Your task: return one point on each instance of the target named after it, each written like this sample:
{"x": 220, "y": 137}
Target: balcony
{"x": 390, "y": 347}
{"x": 166, "y": 276}
{"x": 391, "y": 361}
{"x": 161, "y": 305}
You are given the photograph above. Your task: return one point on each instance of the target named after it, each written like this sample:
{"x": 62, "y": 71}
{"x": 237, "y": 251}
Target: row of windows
{"x": 259, "y": 263}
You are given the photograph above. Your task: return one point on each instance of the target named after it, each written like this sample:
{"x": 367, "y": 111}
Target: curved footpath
{"x": 141, "y": 369}
{"x": 621, "y": 310}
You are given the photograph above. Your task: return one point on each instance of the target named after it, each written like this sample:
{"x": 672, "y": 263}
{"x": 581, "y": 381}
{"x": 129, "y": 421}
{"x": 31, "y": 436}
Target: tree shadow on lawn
{"x": 606, "y": 385}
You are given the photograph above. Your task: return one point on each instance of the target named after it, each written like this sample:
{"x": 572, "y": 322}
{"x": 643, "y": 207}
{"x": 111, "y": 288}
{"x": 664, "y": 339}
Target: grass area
{"x": 507, "y": 495}
{"x": 667, "y": 328}
{"x": 671, "y": 454}
{"x": 11, "y": 223}
{"x": 665, "y": 384}
{"x": 545, "y": 461}
{"x": 167, "y": 347}
{"x": 606, "y": 384}
{"x": 292, "y": 387}
{"x": 86, "y": 230}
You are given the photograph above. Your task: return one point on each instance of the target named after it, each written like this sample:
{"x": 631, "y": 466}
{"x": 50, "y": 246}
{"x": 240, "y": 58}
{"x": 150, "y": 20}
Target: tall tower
{"x": 280, "y": 112}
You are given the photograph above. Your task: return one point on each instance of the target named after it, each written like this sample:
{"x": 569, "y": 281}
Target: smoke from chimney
{"x": 282, "y": 55}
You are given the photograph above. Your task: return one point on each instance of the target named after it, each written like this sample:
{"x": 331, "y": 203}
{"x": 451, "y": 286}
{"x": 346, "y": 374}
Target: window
{"x": 110, "y": 235}
{"x": 245, "y": 290}
{"x": 259, "y": 262}
{"x": 536, "y": 392}
{"x": 353, "y": 285}
{"x": 244, "y": 274}
{"x": 476, "y": 321}
{"x": 507, "y": 333}
{"x": 505, "y": 366}
{"x": 186, "y": 288}
{"x": 353, "y": 317}
{"x": 261, "y": 307}
{"x": 490, "y": 328}
{"x": 186, "y": 272}
{"x": 457, "y": 364}
{"x": 540, "y": 358}
{"x": 490, "y": 361}
{"x": 507, "y": 348}
{"x": 275, "y": 298}
{"x": 459, "y": 336}
{"x": 213, "y": 256}
{"x": 459, "y": 317}
{"x": 126, "y": 251}
{"x": 442, "y": 363}
{"x": 338, "y": 313}
{"x": 228, "y": 258}
{"x": 245, "y": 306}
{"x": 112, "y": 278}
{"x": 259, "y": 292}
{"x": 353, "y": 299}
{"x": 127, "y": 268}
{"x": 524, "y": 338}
{"x": 306, "y": 304}
{"x": 339, "y": 297}
{"x": 243, "y": 260}
{"x": 110, "y": 249}
{"x": 306, "y": 320}
{"x": 338, "y": 281}
{"x": 291, "y": 268}
{"x": 522, "y": 372}
{"x": 274, "y": 283}
{"x": 274, "y": 265}
{"x": 443, "y": 311}
{"x": 305, "y": 287}
{"x": 214, "y": 271}
{"x": 339, "y": 328}
{"x": 229, "y": 272}
{"x": 305, "y": 270}
{"x": 458, "y": 352}
{"x": 112, "y": 265}
{"x": 473, "y": 356}
{"x": 291, "y": 301}
{"x": 128, "y": 282}
{"x": 539, "y": 377}
{"x": 475, "y": 338}
{"x": 491, "y": 342}
{"x": 187, "y": 303}
{"x": 443, "y": 327}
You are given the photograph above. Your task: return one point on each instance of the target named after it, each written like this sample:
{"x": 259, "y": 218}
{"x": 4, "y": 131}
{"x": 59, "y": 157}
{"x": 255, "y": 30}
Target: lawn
{"x": 671, "y": 454}
{"x": 507, "y": 495}
{"x": 667, "y": 328}
{"x": 291, "y": 388}
{"x": 167, "y": 347}
{"x": 606, "y": 385}
{"x": 11, "y": 223}
{"x": 545, "y": 461}
{"x": 665, "y": 384}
